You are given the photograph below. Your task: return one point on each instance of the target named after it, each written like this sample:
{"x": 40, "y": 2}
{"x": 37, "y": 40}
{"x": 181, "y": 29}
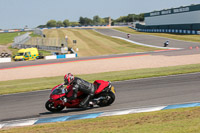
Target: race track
{"x": 145, "y": 39}
{"x": 130, "y": 94}
{"x": 149, "y": 39}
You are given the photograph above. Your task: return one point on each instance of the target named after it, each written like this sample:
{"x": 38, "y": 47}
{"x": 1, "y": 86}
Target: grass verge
{"x": 184, "y": 37}
{"x": 91, "y": 43}
{"x": 6, "y": 38}
{"x": 185, "y": 120}
{"x": 25, "y": 85}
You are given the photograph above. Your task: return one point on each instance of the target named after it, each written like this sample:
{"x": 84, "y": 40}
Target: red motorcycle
{"x": 60, "y": 96}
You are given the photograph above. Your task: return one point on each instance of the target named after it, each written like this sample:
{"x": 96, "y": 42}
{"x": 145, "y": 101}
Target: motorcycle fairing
{"x": 100, "y": 84}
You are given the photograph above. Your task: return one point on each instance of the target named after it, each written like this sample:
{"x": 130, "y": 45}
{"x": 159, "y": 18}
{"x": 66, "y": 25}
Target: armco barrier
{"x": 50, "y": 57}
{"x": 4, "y": 60}
{"x": 8, "y": 59}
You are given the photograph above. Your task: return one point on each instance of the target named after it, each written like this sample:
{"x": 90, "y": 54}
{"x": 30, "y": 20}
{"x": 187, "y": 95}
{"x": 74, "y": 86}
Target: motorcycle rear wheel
{"x": 50, "y": 107}
{"x": 106, "y": 102}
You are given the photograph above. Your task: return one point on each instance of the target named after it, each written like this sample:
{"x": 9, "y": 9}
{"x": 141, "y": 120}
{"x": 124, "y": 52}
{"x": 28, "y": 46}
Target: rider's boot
{"x": 90, "y": 92}
{"x": 85, "y": 102}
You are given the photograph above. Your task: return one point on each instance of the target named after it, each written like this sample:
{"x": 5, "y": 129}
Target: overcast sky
{"x": 19, "y": 13}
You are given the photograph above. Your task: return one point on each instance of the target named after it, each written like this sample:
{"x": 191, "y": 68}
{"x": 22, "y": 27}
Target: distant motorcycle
{"x": 60, "y": 96}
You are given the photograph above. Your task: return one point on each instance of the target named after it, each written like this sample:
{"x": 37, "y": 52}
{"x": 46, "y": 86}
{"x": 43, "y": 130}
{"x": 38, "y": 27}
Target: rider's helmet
{"x": 68, "y": 78}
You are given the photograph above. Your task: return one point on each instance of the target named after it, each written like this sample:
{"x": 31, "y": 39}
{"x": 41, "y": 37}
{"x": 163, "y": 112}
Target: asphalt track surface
{"x": 149, "y": 39}
{"x": 130, "y": 94}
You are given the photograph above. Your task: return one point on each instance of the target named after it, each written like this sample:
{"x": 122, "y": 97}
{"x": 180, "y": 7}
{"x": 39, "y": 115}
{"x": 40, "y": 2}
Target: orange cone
{"x": 190, "y": 47}
{"x": 197, "y": 47}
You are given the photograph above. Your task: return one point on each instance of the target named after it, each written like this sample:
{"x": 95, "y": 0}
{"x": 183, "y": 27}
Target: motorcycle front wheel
{"x": 50, "y": 107}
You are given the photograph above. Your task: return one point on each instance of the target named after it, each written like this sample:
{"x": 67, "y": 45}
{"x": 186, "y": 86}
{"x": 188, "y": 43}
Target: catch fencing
{"x": 42, "y": 43}
{"x": 38, "y": 32}
{"x": 22, "y": 38}
{"x": 50, "y": 48}
{"x": 46, "y": 41}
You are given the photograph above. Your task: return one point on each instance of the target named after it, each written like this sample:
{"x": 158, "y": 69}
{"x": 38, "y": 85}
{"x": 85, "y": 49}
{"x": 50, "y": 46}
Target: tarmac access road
{"x": 137, "y": 93}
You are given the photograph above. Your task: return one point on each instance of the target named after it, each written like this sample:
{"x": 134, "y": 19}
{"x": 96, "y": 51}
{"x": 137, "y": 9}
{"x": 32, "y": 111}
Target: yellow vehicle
{"x": 27, "y": 54}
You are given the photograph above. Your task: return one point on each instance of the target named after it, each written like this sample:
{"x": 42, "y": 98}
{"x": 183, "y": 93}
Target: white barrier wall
{"x": 61, "y": 56}
{"x": 50, "y": 57}
{"x": 70, "y": 55}
{"x": 4, "y": 60}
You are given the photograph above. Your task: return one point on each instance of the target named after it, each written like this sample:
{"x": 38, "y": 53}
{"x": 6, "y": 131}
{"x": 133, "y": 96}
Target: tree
{"x": 131, "y": 17}
{"x": 41, "y": 26}
{"x": 74, "y": 23}
{"x": 88, "y": 21}
{"x": 96, "y": 20}
{"x": 121, "y": 19}
{"x": 59, "y": 24}
{"x": 66, "y": 22}
{"x": 105, "y": 20}
{"x": 82, "y": 21}
{"x": 51, "y": 23}
{"x": 141, "y": 17}
{"x": 85, "y": 21}
{"x": 102, "y": 21}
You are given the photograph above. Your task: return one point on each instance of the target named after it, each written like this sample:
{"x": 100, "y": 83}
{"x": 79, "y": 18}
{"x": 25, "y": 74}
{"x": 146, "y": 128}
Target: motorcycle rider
{"x": 80, "y": 85}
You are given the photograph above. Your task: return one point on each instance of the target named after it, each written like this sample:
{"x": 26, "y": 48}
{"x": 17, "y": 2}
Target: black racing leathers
{"x": 85, "y": 87}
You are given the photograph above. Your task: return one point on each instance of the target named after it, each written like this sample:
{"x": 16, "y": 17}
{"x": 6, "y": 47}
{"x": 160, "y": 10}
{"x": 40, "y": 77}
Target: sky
{"x": 15, "y": 14}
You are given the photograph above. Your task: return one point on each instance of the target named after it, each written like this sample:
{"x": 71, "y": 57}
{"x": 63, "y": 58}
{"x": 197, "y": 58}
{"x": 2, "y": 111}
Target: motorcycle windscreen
{"x": 57, "y": 92}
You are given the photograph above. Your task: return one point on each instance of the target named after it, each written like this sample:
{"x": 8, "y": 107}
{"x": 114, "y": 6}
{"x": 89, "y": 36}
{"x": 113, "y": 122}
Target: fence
{"x": 46, "y": 41}
{"x": 22, "y": 38}
{"x": 38, "y": 32}
{"x": 51, "y": 48}
{"x": 25, "y": 41}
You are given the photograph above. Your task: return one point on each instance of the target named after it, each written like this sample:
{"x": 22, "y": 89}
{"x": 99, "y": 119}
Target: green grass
{"x": 13, "y": 50}
{"x": 185, "y": 120}
{"x": 34, "y": 35}
{"x": 6, "y": 38}
{"x": 44, "y": 52}
{"x": 184, "y": 37}
{"x": 25, "y": 85}
{"x": 91, "y": 43}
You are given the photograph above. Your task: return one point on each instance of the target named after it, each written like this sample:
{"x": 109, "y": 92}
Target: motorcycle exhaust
{"x": 97, "y": 100}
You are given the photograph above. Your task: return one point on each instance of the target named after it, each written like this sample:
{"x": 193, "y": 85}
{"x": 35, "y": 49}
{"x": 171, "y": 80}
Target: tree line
{"x": 96, "y": 20}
